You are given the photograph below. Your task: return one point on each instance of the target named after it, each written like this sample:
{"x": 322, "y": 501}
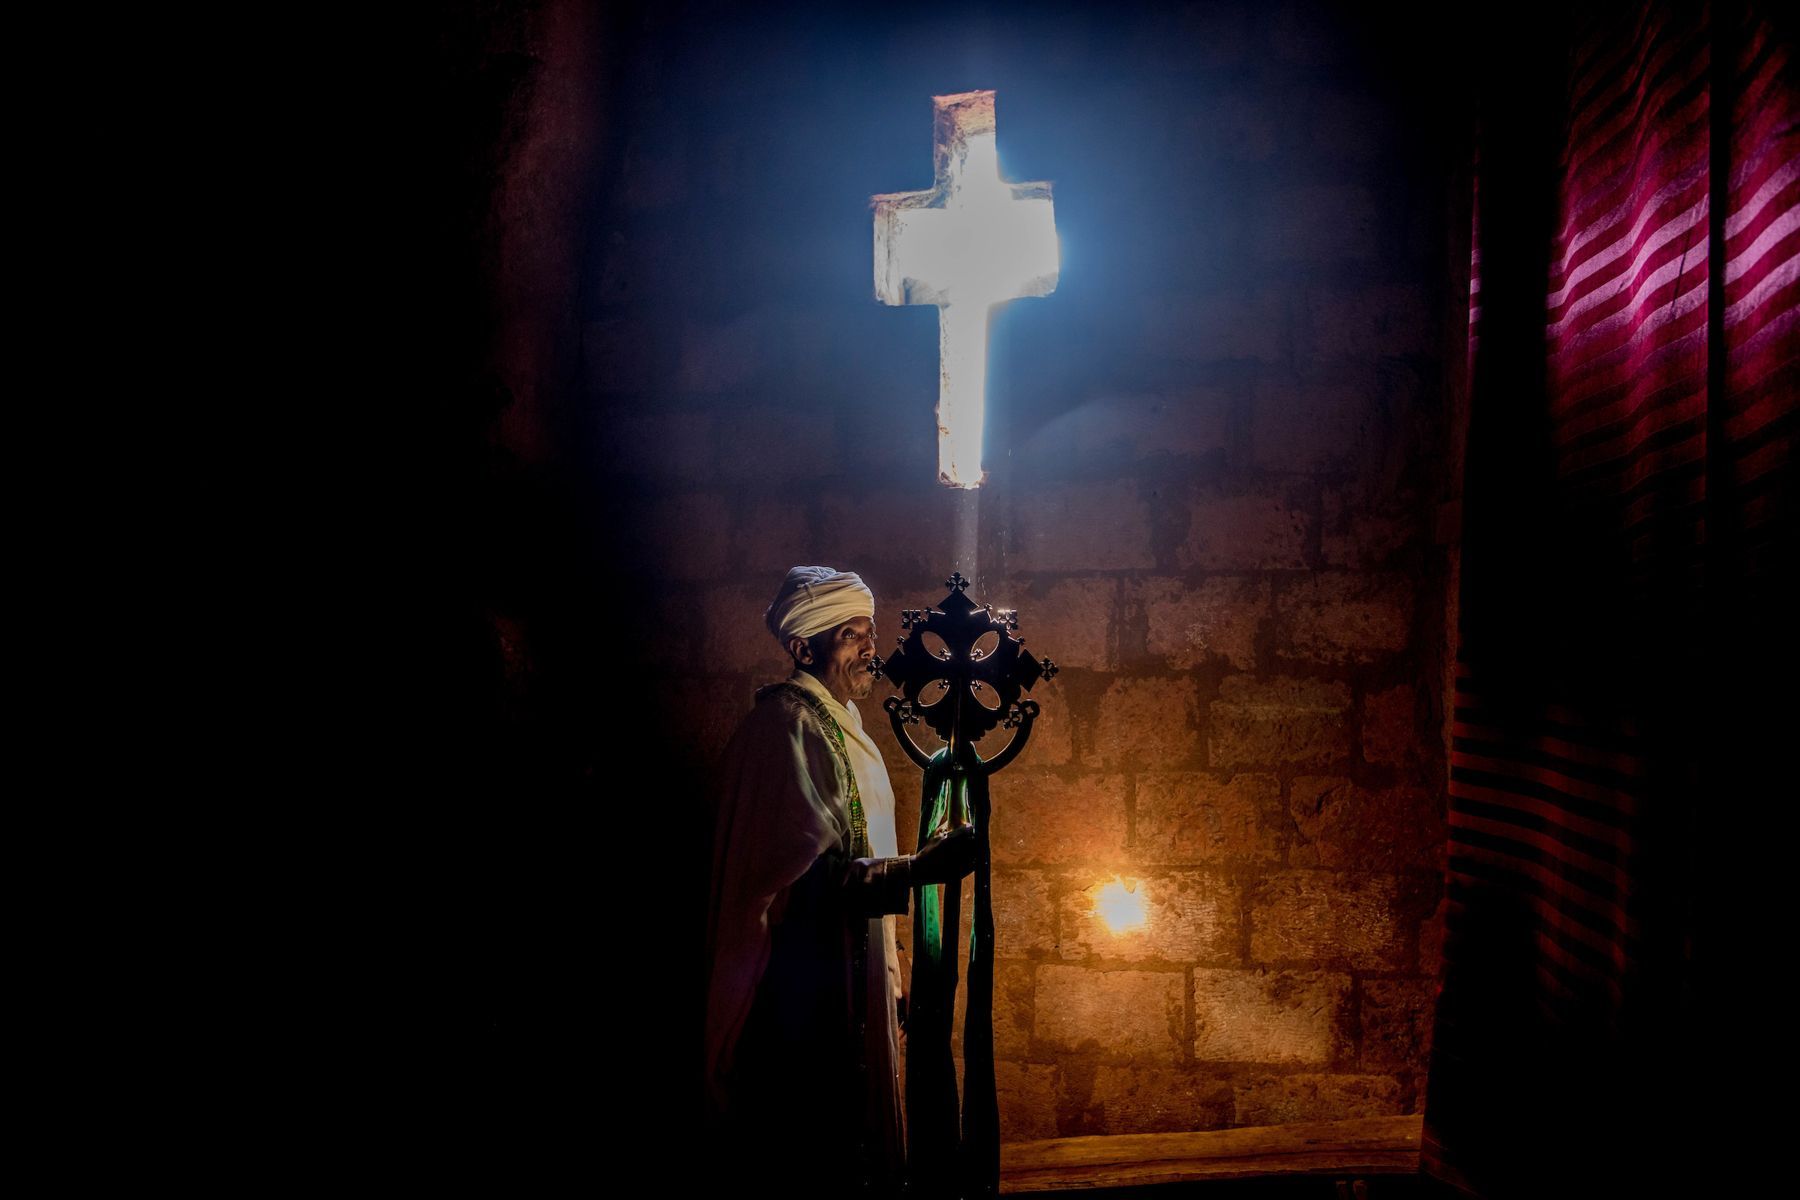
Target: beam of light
{"x": 965, "y": 551}
{"x": 969, "y": 243}
{"x": 962, "y": 392}
{"x": 1121, "y": 908}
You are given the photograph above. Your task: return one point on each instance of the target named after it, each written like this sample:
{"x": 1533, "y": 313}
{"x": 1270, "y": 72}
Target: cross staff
{"x": 980, "y": 691}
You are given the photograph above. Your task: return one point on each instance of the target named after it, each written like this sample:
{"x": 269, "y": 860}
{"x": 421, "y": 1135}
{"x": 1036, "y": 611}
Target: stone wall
{"x": 1217, "y": 480}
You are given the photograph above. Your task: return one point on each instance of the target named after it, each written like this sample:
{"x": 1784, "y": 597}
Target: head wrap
{"x": 816, "y": 599}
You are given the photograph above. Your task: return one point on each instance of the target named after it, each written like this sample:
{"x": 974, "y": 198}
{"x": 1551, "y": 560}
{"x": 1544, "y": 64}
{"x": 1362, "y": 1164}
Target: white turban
{"x": 816, "y": 599}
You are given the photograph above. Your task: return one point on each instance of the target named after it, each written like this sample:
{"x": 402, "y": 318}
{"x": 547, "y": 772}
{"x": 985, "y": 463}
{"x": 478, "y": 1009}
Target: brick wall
{"x": 1216, "y": 475}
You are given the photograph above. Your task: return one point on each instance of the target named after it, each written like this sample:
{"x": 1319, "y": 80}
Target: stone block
{"x": 1133, "y": 1099}
{"x": 1338, "y": 823}
{"x": 1077, "y": 1115}
{"x": 1353, "y": 535}
{"x": 1122, "y": 429}
{"x": 666, "y": 653}
{"x": 903, "y": 775}
{"x": 1070, "y": 621}
{"x": 721, "y": 357}
{"x": 771, "y": 444}
{"x": 1303, "y": 34}
{"x": 1115, "y": 1015}
{"x": 1189, "y": 422}
{"x": 1396, "y": 1023}
{"x": 1363, "y": 322}
{"x": 623, "y": 272}
{"x": 1235, "y": 129}
{"x": 1217, "y": 619}
{"x": 1013, "y": 991}
{"x": 1280, "y": 720}
{"x": 1262, "y": 530}
{"x": 1339, "y": 617}
{"x": 1027, "y": 1096}
{"x": 708, "y": 712}
{"x": 1195, "y": 817}
{"x": 1149, "y": 724}
{"x": 899, "y": 534}
{"x": 687, "y": 537}
{"x": 654, "y": 172}
{"x": 1083, "y": 527}
{"x": 665, "y": 445}
{"x": 1392, "y": 734}
{"x": 735, "y": 640}
{"x": 1053, "y": 733}
{"x": 620, "y": 355}
{"x": 1289, "y": 1099}
{"x": 1328, "y": 917}
{"x": 1270, "y": 1016}
{"x": 1216, "y": 327}
{"x": 1049, "y": 819}
{"x": 1431, "y": 943}
{"x": 768, "y": 537}
{"x": 1314, "y": 426}
{"x": 1347, "y": 126}
{"x": 1318, "y": 225}
{"x": 1210, "y": 36}
{"x": 1190, "y": 916}
{"x": 1024, "y": 918}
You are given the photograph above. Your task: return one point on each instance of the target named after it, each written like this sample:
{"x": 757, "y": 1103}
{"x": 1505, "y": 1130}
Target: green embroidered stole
{"x": 859, "y": 824}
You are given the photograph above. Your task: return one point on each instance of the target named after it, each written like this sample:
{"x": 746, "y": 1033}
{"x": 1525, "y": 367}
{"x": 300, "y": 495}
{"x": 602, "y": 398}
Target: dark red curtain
{"x": 1627, "y": 604}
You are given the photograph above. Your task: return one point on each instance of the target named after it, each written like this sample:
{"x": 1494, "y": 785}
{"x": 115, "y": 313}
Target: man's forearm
{"x": 875, "y": 887}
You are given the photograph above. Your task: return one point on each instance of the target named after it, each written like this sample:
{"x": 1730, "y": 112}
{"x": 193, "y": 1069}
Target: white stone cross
{"x": 968, "y": 243}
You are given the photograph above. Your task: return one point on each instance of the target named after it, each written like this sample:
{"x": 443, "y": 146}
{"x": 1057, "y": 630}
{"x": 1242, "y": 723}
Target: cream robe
{"x": 781, "y": 807}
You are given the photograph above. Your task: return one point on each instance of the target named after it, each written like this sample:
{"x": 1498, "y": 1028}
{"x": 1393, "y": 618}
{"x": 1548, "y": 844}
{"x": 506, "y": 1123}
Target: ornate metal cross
{"x": 965, "y": 244}
{"x": 962, "y": 691}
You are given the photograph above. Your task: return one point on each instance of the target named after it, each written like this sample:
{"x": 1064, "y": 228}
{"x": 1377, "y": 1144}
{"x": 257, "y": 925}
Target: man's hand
{"x": 946, "y": 858}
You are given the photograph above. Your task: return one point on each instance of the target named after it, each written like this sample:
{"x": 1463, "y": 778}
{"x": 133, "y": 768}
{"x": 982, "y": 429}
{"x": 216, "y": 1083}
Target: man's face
{"x": 846, "y": 666}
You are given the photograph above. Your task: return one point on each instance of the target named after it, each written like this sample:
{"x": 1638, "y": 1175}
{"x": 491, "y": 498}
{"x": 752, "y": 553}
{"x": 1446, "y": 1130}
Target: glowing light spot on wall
{"x": 1120, "y": 906}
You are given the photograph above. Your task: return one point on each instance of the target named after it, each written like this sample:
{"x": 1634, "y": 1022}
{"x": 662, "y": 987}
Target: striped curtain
{"x": 1628, "y": 560}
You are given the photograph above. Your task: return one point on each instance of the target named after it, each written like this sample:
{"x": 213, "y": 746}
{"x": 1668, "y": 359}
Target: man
{"x": 802, "y": 1058}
